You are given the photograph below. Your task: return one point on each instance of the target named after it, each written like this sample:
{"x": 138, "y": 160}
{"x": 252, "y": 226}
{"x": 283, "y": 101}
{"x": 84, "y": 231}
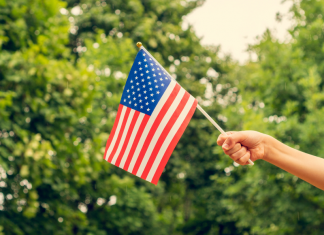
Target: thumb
{"x": 236, "y": 137}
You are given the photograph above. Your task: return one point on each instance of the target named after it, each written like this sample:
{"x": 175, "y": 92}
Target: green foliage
{"x": 63, "y": 65}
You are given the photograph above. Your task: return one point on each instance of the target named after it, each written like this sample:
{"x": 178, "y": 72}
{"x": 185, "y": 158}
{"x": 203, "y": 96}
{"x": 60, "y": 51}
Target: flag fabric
{"x": 153, "y": 113}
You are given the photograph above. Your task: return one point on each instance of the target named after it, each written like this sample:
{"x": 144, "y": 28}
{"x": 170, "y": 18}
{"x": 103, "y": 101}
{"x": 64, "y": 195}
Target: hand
{"x": 242, "y": 146}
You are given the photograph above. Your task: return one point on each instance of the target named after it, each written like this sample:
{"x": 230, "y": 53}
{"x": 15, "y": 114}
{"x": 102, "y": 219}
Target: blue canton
{"x": 145, "y": 85}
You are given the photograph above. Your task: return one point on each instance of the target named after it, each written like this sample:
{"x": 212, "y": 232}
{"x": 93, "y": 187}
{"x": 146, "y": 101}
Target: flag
{"x": 152, "y": 115}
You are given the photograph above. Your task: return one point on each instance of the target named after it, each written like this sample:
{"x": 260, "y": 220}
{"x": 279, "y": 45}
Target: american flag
{"x": 153, "y": 113}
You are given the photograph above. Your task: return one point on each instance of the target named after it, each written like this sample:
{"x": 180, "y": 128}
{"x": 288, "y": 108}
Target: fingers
{"x": 241, "y": 156}
{"x": 234, "y": 138}
{"x": 231, "y": 144}
{"x": 236, "y": 156}
{"x": 244, "y": 159}
{"x": 233, "y": 150}
{"x": 222, "y": 137}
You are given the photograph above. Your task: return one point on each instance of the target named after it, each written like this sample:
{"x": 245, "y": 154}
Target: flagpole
{"x": 140, "y": 46}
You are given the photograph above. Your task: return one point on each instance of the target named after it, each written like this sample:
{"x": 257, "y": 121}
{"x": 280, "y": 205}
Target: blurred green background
{"x": 63, "y": 65}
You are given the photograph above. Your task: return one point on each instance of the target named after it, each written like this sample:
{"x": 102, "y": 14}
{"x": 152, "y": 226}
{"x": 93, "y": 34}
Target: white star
{"x": 134, "y": 98}
{"x": 159, "y": 73}
{"x": 152, "y": 64}
{"x": 140, "y": 101}
{"x": 148, "y": 109}
{"x": 144, "y": 92}
{"x": 136, "y": 77}
{"x": 137, "y": 83}
{"x": 132, "y": 87}
{"x": 157, "y": 92}
{"x": 150, "y": 89}
{"x": 149, "y": 83}
{"x": 148, "y": 77}
{"x": 135, "y": 72}
{"x": 135, "y": 104}
{"x": 139, "y": 95}
{"x": 140, "y": 68}
{"x": 156, "y": 86}
{"x": 128, "y": 96}
{"x": 142, "y": 74}
{"x": 151, "y": 94}
{"x": 144, "y": 54}
{"x": 146, "y": 65}
{"x": 147, "y": 71}
{"x": 138, "y": 89}
{"x": 146, "y": 97}
{"x": 133, "y": 92}
{"x": 142, "y": 80}
{"x": 147, "y": 103}
{"x": 153, "y": 69}
{"x": 124, "y": 100}
{"x": 131, "y": 81}
{"x": 154, "y": 75}
{"x": 153, "y": 100}
{"x": 158, "y": 69}
{"x": 155, "y": 80}
{"x": 130, "y": 102}
{"x": 150, "y": 59}
{"x": 166, "y": 78}
{"x": 143, "y": 86}
{"x": 162, "y": 84}
{"x": 127, "y": 90}
{"x": 161, "y": 79}
{"x": 145, "y": 60}
{"x": 141, "y": 107}
{"x": 139, "y": 62}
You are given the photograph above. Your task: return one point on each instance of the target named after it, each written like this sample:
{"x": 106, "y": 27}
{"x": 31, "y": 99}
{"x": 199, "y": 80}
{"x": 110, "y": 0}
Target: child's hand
{"x": 242, "y": 146}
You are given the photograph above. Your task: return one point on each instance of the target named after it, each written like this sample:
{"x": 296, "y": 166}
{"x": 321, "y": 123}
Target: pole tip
{"x": 139, "y": 44}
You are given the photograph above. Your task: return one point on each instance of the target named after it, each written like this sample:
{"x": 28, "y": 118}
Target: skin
{"x": 244, "y": 145}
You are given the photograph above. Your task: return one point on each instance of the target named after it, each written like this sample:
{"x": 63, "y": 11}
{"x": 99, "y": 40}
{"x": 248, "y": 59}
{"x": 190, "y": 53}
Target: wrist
{"x": 268, "y": 145}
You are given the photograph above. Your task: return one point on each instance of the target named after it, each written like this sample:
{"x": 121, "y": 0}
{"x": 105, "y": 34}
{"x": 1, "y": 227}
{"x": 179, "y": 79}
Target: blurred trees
{"x": 63, "y": 65}
{"x": 282, "y": 95}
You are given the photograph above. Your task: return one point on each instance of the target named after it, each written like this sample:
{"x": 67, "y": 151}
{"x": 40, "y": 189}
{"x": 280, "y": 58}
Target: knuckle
{"x": 219, "y": 141}
{"x": 241, "y": 161}
{"x": 229, "y": 139}
{"x": 235, "y": 150}
{"x": 234, "y": 156}
{"x": 245, "y": 158}
{"x": 238, "y": 146}
{"x": 238, "y": 154}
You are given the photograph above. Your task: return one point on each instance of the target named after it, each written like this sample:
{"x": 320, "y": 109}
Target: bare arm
{"x": 244, "y": 145}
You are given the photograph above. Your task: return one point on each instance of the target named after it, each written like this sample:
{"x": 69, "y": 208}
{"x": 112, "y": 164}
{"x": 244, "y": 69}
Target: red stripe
{"x": 119, "y": 134}
{"x": 112, "y": 133}
{"x": 136, "y": 140}
{"x": 172, "y": 145}
{"x": 155, "y": 125}
{"x": 129, "y": 133}
{"x": 164, "y": 134}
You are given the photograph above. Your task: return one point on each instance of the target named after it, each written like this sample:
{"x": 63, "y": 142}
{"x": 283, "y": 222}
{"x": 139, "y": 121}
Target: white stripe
{"x": 169, "y": 138}
{"x": 159, "y": 130}
{"x": 131, "y": 139}
{"x": 129, "y": 119}
{"x": 112, "y": 144}
{"x": 150, "y": 122}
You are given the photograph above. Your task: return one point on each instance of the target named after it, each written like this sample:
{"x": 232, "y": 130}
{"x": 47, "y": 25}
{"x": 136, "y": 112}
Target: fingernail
{"x": 225, "y": 146}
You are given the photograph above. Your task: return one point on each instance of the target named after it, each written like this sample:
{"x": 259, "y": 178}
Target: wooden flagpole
{"x": 140, "y": 46}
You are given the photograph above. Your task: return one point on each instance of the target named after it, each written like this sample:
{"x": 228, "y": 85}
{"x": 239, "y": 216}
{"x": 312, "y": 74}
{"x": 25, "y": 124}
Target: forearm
{"x": 303, "y": 165}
